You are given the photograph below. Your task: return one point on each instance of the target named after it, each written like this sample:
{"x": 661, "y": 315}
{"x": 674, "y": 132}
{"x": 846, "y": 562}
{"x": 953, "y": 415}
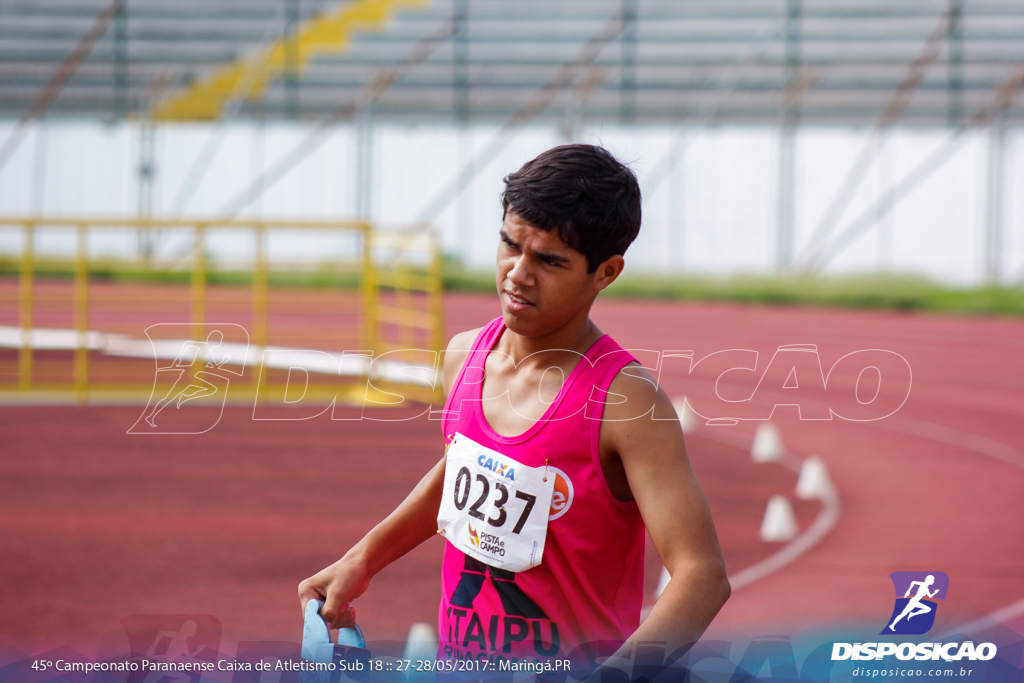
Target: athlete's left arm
{"x": 649, "y": 451}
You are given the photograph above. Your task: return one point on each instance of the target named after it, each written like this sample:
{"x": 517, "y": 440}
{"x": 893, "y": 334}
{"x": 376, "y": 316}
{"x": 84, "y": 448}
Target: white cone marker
{"x": 688, "y": 419}
{"x": 813, "y": 481}
{"x": 779, "y": 523}
{"x": 422, "y": 643}
{"x": 662, "y": 582}
{"x": 767, "y": 443}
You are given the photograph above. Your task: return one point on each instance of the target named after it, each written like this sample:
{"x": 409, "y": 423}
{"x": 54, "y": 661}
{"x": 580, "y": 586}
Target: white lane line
{"x": 822, "y": 525}
{"x": 827, "y": 518}
{"x": 988, "y": 621}
{"x": 979, "y": 444}
{"x": 225, "y": 353}
{"x": 49, "y": 339}
{"x": 954, "y": 437}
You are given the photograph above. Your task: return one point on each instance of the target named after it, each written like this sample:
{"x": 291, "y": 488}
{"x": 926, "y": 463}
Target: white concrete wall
{"x": 715, "y": 213}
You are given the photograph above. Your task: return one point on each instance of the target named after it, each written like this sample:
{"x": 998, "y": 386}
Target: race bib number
{"x": 494, "y": 508}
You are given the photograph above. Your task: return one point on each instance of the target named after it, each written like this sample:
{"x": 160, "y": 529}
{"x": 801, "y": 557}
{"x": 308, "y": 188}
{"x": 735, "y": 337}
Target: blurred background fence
{"x": 90, "y": 326}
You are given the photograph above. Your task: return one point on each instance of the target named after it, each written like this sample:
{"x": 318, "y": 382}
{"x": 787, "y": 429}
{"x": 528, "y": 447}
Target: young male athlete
{"x": 542, "y": 406}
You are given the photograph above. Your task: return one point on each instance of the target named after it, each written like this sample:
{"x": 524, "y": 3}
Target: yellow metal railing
{"x": 327, "y": 34}
{"x": 400, "y": 311}
{"x": 397, "y": 305}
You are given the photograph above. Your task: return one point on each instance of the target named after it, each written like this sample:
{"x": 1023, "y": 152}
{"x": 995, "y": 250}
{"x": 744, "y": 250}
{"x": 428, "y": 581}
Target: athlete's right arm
{"x": 412, "y": 522}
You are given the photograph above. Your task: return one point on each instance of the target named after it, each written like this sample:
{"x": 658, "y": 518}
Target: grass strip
{"x": 871, "y": 291}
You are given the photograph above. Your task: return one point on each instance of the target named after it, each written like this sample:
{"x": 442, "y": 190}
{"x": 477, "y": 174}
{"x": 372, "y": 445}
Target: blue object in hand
{"x": 316, "y": 639}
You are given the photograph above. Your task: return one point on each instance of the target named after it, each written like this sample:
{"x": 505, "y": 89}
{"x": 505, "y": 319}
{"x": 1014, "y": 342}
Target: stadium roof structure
{"x": 819, "y": 62}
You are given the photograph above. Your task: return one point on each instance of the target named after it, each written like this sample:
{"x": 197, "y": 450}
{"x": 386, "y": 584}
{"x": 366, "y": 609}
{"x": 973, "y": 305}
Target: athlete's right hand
{"x": 337, "y": 585}
{"x": 412, "y": 523}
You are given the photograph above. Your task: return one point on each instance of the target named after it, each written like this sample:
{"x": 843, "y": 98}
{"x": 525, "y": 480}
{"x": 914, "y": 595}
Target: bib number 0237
{"x": 462, "y": 489}
{"x": 493, "y": 507}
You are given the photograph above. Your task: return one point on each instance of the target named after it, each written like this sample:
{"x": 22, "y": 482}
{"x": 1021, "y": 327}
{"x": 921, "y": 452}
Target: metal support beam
{"x": 464, "y": 219}
{"x": 994, "y": 207}
{"x": 784, "y": 226}
{"x": 39, "y": 167}
{"x": 460, "y": 108}
{"x": 706, "y": 111}
{"x": 572, "y": 117}
{"x": 627, "y": 85}
{"x": 956, "y": 59}
{"x": 885, "y": 220}
{"x": 366, "y": 97}
{"x": 460, "y": 61}
{"x": 259, "y": 307}
{"x": 147, "y": 179}
{"x": 81, "y": 358}
{"x": 53, "y": 87}
{"x": 364, "y": 164}
{"x": 538, "y": 102}
{"x": 787, "y": 135}
{"x": 198, "y": 312}
{"x": 291, "y": 59}
{"x": 120, "y": 59}
{"x": 1002, "y": 101}
{"x": 892, "y": 113}
{"x": 675, "y": 232}
{"x": 368, "y": 292}
{"x": 25, "y": 305}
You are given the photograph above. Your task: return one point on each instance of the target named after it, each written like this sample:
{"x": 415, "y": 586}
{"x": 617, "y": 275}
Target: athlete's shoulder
{"x": 640, "y": 396}
{"x": 455, "y": 356}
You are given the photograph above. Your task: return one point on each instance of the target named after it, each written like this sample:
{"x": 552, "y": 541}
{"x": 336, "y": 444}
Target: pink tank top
{"x": 589, "y": 586}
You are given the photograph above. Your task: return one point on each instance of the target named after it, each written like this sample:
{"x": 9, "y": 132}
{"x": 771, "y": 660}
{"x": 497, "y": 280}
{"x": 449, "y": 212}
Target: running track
{"x": 97, "y": 524}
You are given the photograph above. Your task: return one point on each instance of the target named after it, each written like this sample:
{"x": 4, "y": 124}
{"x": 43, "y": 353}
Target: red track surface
{"x": 97, "y": 524}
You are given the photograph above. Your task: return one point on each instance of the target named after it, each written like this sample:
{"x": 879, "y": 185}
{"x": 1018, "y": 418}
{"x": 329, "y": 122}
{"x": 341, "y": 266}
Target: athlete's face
{"x": 543, "y": 282}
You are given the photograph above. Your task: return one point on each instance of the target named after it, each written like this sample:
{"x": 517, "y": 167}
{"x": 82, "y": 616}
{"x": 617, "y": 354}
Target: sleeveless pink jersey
{"x": 589, "y": 586}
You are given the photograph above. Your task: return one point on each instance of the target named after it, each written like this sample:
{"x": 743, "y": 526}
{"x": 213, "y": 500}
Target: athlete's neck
{"x": 576, "y": 336}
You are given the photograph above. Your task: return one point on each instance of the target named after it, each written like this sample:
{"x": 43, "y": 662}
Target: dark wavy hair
{"x": 584, "y": 193}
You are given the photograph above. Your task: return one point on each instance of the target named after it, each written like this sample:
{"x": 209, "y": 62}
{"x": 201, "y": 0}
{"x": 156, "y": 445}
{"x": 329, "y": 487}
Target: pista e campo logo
{"x": 916, "y": 593}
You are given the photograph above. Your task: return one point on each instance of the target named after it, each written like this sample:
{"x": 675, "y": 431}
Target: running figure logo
{"x": 197, "y": 370}
{"x": 168, "y": 639}
{"x": 198, "y": 386}
{"x": 914, "y": 613}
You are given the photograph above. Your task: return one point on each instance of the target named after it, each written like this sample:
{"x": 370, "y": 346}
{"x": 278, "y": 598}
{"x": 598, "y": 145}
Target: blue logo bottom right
{"x": 915, "y": 608}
